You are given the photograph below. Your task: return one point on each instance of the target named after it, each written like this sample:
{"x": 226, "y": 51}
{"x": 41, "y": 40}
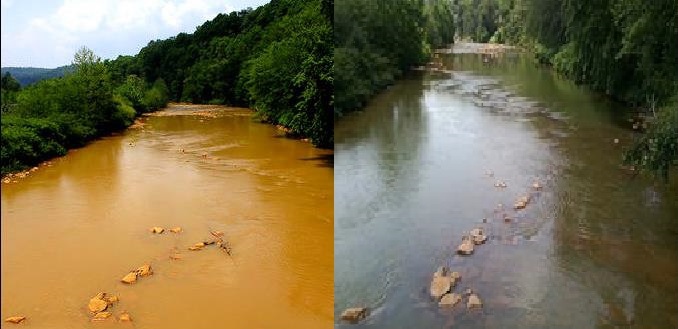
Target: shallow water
{"x": 75, "y": 228}
{"x": 595, "y": 248}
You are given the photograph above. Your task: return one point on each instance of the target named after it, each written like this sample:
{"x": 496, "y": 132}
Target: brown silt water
{"x": 75, "y": 228}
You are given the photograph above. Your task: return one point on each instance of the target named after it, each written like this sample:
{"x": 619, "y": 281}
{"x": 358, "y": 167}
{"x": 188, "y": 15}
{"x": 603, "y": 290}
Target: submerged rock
{"x": 15, "y": 319}
{"x": 124, "y": 317}
{"x": 110, "y": 299}
{"x": 176, "y": 230}
{"x": 474, "y": 301}
{"x": 196, "y": 247}
{"x": 130, "y": 278}
{"x": 441, "y": 271}
{"x": 101, "y": 316}
{"x": 449, "y": 300}
{"x": 354, "y": 314}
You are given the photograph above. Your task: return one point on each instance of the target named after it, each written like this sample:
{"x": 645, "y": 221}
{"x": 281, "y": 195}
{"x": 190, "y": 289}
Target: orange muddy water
{"x": 75, "y": 228}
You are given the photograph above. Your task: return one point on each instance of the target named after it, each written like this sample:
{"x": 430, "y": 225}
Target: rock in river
{"x": 478, "y": 236}
{"x": 124, "y": 316}
{"x": 131, "y": 277}
{"x": 441, "y": 271}
{"x": 354, "y": 314}
{"x": 144, "y": 270}
{"x": 474, "y": 302}
{"x": 440, "y": 285}
{"x": 15, "y": 319}
{"x": 465, "y": 248}
{"x": 157, "y": 229}
{"x": 97, "y": 303}
{"x": 101, "y": 316}
{"x": 449, "y": 300}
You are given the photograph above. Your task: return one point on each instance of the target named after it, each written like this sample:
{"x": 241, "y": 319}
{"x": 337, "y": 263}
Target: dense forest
{"x": 28, "y": 75}
{"x": 625, "y": 49}
{"x": 376, "y": 41}
{"x": 276, "y": 59}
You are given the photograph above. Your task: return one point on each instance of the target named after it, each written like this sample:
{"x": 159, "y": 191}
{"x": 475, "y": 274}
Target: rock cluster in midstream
{"x": 100, "y": 306}
{"x": 444, "y": 281}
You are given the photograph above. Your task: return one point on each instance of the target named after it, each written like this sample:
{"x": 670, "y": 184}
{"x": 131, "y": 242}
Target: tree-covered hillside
{"x": 276, "y": 58}
{"x": 29, "y": 75}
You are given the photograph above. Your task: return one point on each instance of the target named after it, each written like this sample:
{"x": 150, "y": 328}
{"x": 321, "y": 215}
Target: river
{"x": 595, "y": 248}
{"x": 75, "y": 227}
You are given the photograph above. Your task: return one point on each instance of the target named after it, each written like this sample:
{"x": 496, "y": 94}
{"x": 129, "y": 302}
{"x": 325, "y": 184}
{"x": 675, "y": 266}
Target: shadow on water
{"x": 324, "y": 160}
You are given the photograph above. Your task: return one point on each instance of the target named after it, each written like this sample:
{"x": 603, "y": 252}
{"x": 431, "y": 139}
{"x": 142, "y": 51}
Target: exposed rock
{"x": 217, "y": 234}
{"x": 144, "y": 270}
{"x": 101, "y": 316}
{"x": 500, "y": 184}
{"x": 354, "y": 314}
{"x": 467, "y": 292}
{"x": 15, "y": 319}
{"x": 478, "y": 236}
{"x": 6, "y": 180}
{"x": 157, "y": 229}
{"x": 449, "y": 300}
{"x": 110, "y": 299}
{"x": 456, "y": 276}
{"x": 196, "y": 247}
{"x": 176, "y": 230}
{"x": 465, "y": 248}
{"x": 97, "y": 303}
{"x": 131, "y": 277}
{"x": 441, "y": 271}
{"x": 616, "y": 140}
{"x": 474, "y": 302}
{"x": 207, "y": 243}
{"x": 521, "y": 203}
{"x": 536, "y": 186}
{"x": 124, "y": 316}
{"x": 440, "y": 285}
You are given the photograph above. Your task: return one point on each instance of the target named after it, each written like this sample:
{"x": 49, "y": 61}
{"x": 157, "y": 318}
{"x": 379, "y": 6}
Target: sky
{"x": 41, "y": 33}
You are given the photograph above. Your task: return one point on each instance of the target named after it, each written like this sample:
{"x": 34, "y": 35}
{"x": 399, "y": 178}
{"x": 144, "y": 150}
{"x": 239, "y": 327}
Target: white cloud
{"x": 80, "y": 15}
{"x": 52, "y": 38}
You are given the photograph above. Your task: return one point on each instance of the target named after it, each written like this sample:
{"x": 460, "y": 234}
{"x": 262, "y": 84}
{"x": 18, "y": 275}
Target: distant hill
{"x": 29, "y": 75}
